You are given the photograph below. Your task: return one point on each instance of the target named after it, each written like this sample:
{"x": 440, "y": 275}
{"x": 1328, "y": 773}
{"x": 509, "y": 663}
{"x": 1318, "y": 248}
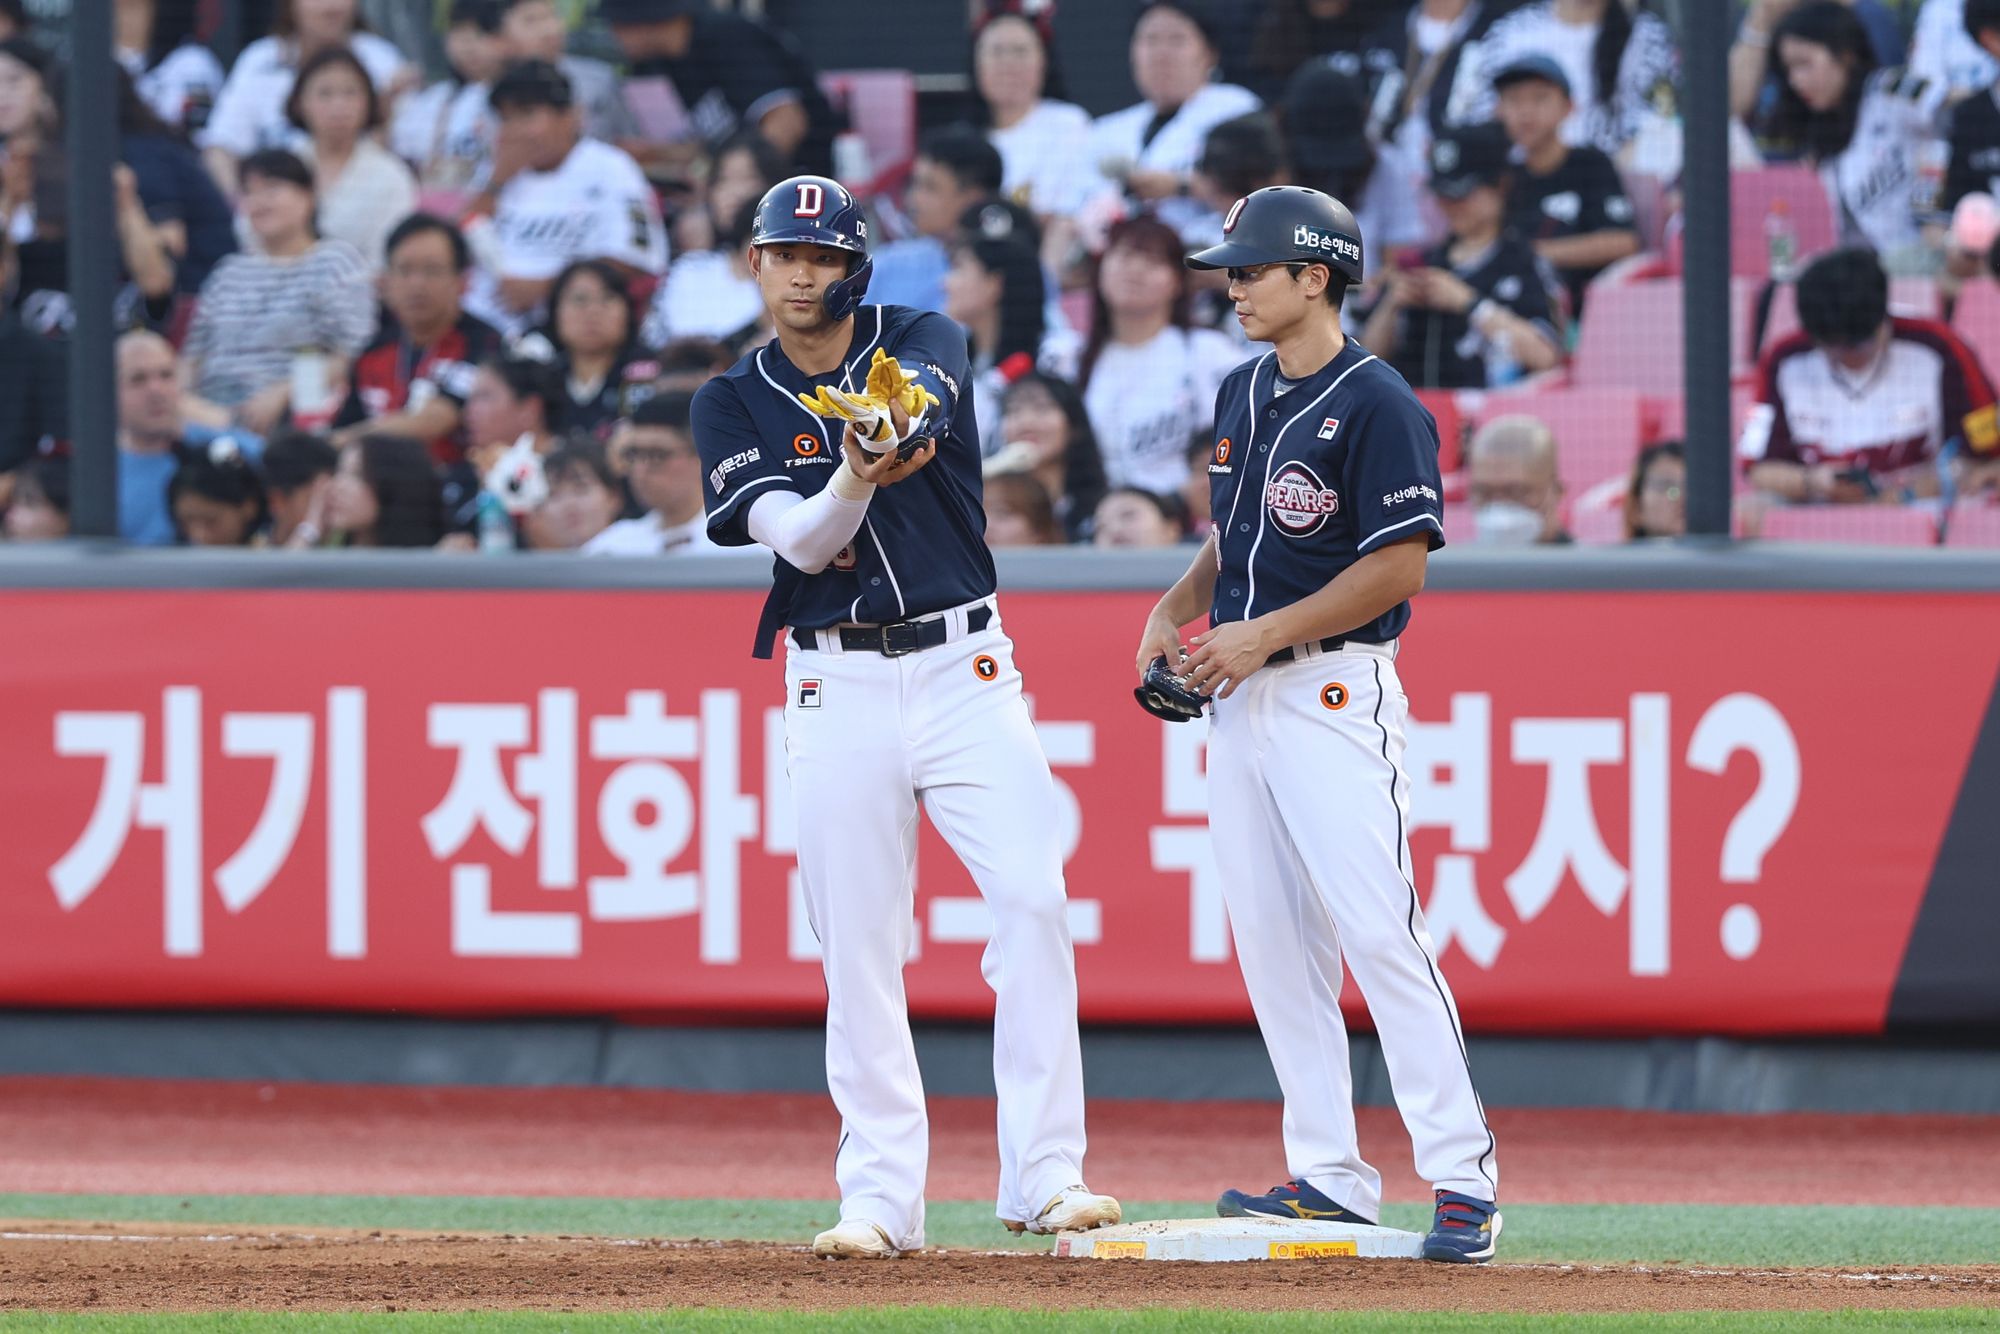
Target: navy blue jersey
{"x": 1307, "y": 482}
{"x": 922, "y": 546}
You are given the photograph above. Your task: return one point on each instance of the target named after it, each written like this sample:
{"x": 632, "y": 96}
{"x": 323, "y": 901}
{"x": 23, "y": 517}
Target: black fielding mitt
{"x": 1167, "y": 696}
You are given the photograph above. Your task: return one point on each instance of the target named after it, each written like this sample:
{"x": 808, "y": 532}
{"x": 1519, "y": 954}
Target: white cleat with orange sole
{"x": 1074, "y": 1210}
{"x": 854, "y": 1239}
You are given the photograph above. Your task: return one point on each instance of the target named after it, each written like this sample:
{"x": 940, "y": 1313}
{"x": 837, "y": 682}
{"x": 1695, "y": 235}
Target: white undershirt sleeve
{"x": 808, "y": 531}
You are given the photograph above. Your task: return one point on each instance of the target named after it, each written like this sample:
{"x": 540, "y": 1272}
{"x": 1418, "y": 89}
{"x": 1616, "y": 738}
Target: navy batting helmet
{"x": 1285, "y": 223}
{"x": 817, "y": 211}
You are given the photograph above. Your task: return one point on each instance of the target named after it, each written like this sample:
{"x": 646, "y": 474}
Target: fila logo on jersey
{"x": 1235, "y": 212}
{"x": 809, "y": 693}
{"x": 1328, "y": 427}
{"x": 812, "y": 201}
{"x": 1299, "y": 502}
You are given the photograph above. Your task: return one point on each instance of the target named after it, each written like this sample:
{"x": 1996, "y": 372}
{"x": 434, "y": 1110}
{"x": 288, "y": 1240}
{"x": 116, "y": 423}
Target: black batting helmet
{"x": 818, "y": 211}
{"x": 1282, "y": 224}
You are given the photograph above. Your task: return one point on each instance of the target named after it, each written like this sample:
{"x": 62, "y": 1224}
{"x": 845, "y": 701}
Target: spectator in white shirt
{"x": 1149, "y": 380}
{"x": 364, "y": 189}
{"x": 1041, "y": 138}
{"x": 534, "y": 30}
{"x": 1148, "y": 151}
{"x": 1943, "y": 52}
{"x": 178, "y": 77}
{"x": 655, "y": 451}
{"x": 250, "y": 111}
{"x": 709, "y": 290}
{"x": 446, "y": 131}
{"x": 554, "y": 196}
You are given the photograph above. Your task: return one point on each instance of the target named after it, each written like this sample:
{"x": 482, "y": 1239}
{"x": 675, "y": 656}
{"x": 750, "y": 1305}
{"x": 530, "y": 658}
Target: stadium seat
{"x": 1598, "y": 431}
{"x": 1976, "y": 317}
{"x": 881, "y": 105}
{"x": 1631, "y": 335}
{"x": 1443, "y": 406}
{"x": 1598, "y": 523}
{"x": 1852, "y": 525}
{"x": 1974, "y": 524}
{"x": 1667, "y": 414}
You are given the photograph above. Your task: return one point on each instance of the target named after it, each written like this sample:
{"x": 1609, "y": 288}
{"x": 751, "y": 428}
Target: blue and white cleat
{"x": 1463, "y": 1230}
{"x": 1294, "y": 1199}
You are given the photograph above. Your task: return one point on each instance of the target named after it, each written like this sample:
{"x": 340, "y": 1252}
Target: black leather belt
{"x": 899, "y": 637}
{"x": 1333, "y": 645}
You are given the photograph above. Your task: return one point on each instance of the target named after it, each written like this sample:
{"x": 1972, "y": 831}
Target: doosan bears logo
{"x": 1299, "y": 502}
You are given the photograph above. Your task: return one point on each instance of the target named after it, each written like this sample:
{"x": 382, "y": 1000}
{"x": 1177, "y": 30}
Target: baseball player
{"x": 847, "y": 446}
{"x": 1324, "y": 481}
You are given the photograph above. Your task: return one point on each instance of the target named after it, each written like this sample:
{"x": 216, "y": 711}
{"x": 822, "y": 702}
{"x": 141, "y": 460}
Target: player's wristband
{"x": 849, "y": 485}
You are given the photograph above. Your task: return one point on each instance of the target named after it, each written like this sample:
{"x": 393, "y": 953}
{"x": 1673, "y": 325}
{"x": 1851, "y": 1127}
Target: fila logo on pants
{"x": 809, "y": 693}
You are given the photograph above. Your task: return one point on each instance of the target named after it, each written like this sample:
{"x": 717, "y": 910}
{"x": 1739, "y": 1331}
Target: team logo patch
{"x": 805, "y": 445}
{"x": 809, "y": 693}
{"x": 1222, "y": 450}
{"x": 1299, "y": 502}
{"x": 812, "y": 201}
{"x": 1333, "y": 696}
{"x": 1235, "y": 212}
{"x": 984, "y": 667}
{"x": 1328, "y": 427}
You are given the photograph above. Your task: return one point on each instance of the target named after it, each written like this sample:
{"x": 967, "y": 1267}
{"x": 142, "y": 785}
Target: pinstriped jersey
{"x": 1307, "y": 477}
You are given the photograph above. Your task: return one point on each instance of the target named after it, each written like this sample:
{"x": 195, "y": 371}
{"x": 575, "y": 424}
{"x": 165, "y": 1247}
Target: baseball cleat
{"x": 1463, "y": 1230}
{"x": 1074, "y": 1210}
{"x": 1294, "y": 1199}
{"x": 854, "y": 1239}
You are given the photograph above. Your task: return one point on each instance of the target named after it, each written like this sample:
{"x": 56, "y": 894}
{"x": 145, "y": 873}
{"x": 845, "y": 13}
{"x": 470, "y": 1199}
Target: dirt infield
{"x": 150, "y": 1267}
{"x": 165, "y": 1136}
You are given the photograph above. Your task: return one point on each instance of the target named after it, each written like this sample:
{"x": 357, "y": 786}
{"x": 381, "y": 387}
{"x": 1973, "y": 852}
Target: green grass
{"x": 894, "y": 1320}
{"x": 1581, "y": 1233}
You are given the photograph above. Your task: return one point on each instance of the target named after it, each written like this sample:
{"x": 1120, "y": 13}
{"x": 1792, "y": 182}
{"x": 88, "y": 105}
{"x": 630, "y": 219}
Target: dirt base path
{"x": 149, "y": 1267}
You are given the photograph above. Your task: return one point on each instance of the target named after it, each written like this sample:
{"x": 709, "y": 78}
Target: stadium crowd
{"x": 367, "y": 308}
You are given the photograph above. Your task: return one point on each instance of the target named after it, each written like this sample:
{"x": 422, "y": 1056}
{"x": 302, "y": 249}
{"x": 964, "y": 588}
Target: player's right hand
{"x": 1161, "y": 638}
{"x": 889, "y": 467}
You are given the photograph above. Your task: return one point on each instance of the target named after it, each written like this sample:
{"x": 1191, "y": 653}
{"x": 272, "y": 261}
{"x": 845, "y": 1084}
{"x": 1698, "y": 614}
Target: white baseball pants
{"x": 1309, "y": 813}
{"x": 867, "y": 736}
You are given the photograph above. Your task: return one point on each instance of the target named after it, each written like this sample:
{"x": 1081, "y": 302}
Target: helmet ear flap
{"x": 843, "y": 297}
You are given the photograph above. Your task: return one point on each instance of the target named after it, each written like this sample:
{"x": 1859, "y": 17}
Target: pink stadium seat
{"x": 1668, "y": 413}
{"x": 1977, "y": 320}
{"x": 1598, "y": 431}
{"x": 1854, "y": 525}
{"x": 1631, "y": 335}
{"x": 1751, "y": 194}
{"x": 1458, "y": 525}
{"x": 881, "y": 105}
{"x": 1974, "y": 523}
{"x": 1443, "y": 406}
{"x": 1598, "y": 524}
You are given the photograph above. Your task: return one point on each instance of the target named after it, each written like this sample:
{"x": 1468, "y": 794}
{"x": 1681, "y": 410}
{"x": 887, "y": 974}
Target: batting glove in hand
{"x": 1165, "y": 695}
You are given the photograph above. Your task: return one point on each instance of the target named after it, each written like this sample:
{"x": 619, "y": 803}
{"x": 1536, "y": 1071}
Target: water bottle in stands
{"x": 495, "y": 527}
{"x": 1781, "y": 240}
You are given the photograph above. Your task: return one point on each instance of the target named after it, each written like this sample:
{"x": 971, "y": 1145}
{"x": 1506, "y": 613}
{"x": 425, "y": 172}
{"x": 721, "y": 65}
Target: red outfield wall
{"x": 1646, "y": 812}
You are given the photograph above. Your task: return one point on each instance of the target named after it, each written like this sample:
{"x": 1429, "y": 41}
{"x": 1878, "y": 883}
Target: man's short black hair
{"x": 484, "y": 15}
{"x": 531, "y": 377}
{"x": 1843, "y": 297}
{"x": 419, "y": 224}
{"x": 1243, "y": 153}
{"x": 275, "y": 164}
{"x": 671, "y": 410}
{"x": 1981, "y": 16}
{"x": 294, "y": 458}
{"x": 527, "y": 84}
{"x": 966, "y": 154}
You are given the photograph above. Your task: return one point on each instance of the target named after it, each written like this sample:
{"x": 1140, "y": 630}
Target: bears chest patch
{"x": 1299, "y": 502}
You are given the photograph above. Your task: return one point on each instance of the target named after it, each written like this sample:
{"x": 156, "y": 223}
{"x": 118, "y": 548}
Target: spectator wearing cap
{"x": 177, "y": 76}
{"x": 654, "y": 451}
{"x": 1331, "y": 136}
{"x": 1620, "y": 62}
{"x": 413, "y": 379}
{"x": 554, "y": 196}
{"x": 1480, "y": 308}
{"x": 1147, "y": 152}
{"x": 1018, "y": 87}
{"x": 534, "y": 30}
{"x": 446, "y": 132}
{"x": 1514, "y": 485}
{"x": 249, "y": 112}
{"x": 1860, "y": 405}
{"x": 260, "y": 308}
{"x": 956, "y": 170}
{"x": 695, "y": 77}
{"x": 363, "y": 189}
{"x": 1568, "y": 202}
{"x": 153, "y": 436}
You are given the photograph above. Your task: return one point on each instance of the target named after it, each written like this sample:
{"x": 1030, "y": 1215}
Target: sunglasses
{"x": 1256, "y": 271}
